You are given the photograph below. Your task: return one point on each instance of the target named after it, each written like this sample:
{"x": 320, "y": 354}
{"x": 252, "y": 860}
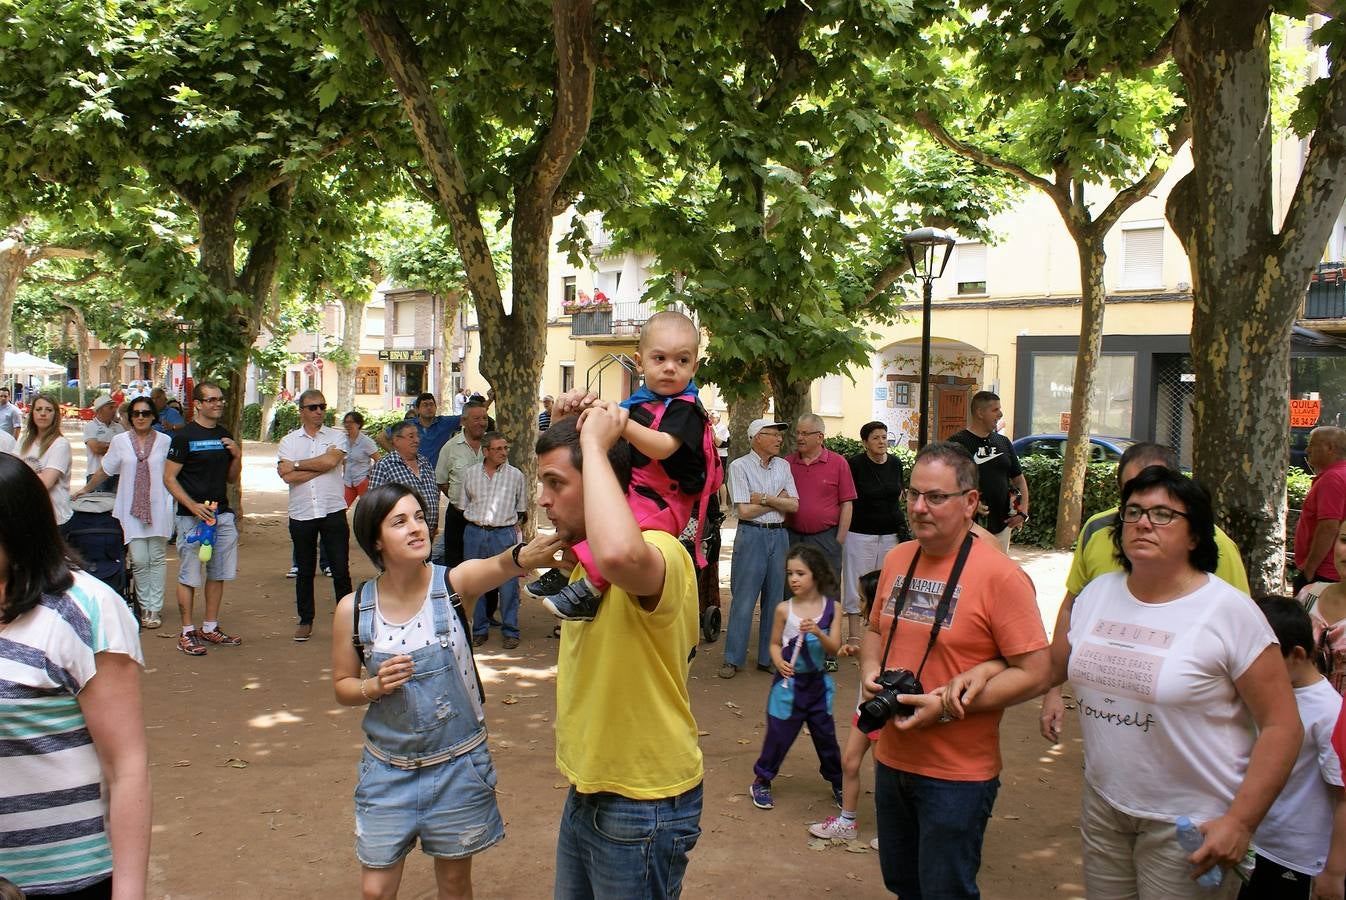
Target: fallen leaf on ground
{"x": 744, "y": 741}
{"x": 510, "y": 700}
{"x": 704, "y": 733}
{"x": 818, "y": 844}
{"x": 857, "y": 847}
{"x": 182, "y": 763}
{"x": 731, "y": 704}
{"x": 853, "y": 877}
{"x": 235, "y": 763}
{"x": 1011, "y": 818}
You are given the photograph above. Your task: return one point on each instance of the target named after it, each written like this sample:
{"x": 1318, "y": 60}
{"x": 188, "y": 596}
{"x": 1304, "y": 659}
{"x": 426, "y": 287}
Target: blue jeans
{"x": 483, "y": 543}
{"x": 756, "y": 578}
{"x": 930, "y": 833}
{"x": 615, "y": 848}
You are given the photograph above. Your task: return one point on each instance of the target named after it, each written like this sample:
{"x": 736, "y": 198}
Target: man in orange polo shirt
{"x": 937, "y": 770}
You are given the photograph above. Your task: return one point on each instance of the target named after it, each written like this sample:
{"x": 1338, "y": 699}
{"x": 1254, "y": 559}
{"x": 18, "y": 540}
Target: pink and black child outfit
{"x": 664, "y": 494}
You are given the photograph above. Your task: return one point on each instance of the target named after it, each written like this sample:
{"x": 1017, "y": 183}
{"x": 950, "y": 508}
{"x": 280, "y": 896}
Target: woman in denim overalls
{"x": 426, "y": 772}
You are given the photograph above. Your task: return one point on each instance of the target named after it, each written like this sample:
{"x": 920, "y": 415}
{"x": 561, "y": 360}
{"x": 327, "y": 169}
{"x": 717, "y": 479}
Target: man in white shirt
{"x": 494, "y": 505}
{"x": 11, "y": 419}
{"x": 762, "y": 489}
{"x": 310, "y": 462}
{"x": 98, "y": 435}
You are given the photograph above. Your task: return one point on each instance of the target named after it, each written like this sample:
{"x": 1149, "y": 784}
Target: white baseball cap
{"x": 758, "y": 424}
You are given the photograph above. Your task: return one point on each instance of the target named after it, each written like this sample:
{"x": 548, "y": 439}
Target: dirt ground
{"x": 253, "y": 762}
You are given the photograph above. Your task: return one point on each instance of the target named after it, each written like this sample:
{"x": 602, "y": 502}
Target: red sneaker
{"x": 218, "y": 638}
{"x": 190, "y": 644}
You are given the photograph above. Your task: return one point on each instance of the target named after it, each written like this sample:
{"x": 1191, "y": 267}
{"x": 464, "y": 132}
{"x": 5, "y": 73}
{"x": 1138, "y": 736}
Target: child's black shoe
{"x": 550, "y": 582}
{"x": 575, "y": 602}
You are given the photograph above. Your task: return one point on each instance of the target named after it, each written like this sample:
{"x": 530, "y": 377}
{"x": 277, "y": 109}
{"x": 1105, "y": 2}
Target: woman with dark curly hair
{"x": 74, "y": 777}
{"x": 1185, "y": 705}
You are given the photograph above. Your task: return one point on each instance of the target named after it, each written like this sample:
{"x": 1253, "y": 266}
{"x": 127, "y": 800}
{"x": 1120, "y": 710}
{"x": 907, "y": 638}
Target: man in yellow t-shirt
{"x": 1095, "y": 555}
{"x": 625, "y": 736}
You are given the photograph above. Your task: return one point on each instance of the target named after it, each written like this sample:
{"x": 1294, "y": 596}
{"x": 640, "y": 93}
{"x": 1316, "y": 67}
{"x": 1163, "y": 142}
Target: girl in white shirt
{"x": 48, "y": 453}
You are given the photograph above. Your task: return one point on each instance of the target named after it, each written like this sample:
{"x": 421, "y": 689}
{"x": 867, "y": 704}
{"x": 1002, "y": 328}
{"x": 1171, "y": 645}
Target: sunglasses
{"x": 313, "y": 407}
{"x": 142, "y": 414}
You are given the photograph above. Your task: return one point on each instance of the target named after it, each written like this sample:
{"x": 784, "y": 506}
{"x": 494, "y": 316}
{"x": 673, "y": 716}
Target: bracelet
{"x": 514, "y": 554}
{"x": 364, "y": 693}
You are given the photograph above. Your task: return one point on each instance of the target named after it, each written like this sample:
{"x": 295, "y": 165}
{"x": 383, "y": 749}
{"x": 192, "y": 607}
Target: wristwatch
{"x": 514, "y": 554}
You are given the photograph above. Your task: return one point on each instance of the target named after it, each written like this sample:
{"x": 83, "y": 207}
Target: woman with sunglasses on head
{"x": 143, "y": 506}
{"x": 74, "y": 774}
{"x": 1185, "y": 706}
{"x": 47, "y": 453}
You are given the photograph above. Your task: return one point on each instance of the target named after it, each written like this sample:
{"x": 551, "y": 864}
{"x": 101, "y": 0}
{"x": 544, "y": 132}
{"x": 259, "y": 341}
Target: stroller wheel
{"x": 710, "y": 624}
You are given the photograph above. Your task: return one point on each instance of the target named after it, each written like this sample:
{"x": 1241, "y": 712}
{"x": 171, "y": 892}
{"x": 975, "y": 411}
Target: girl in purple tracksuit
{"x": 805, "y": 631}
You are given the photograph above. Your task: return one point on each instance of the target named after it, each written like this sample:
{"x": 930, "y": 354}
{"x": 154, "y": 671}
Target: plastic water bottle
{"x": 1190, "y": 839}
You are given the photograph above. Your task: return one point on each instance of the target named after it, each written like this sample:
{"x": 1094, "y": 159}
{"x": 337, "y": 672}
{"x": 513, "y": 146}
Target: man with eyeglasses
{"x": 432, "y": 429}
{"x": 762, "y": 491}
{"x": 937, "y": 770}
{"x": 826, "y": 495}
{"x": 203, "y": 460}
{"x": 1096, "y": 555}
{"x": 310, "y": 460}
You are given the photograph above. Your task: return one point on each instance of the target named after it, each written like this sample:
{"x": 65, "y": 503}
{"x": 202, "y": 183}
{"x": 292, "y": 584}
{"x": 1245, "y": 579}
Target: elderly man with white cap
{"x": 762, "y": 490}
{"x": 98, "y": 435}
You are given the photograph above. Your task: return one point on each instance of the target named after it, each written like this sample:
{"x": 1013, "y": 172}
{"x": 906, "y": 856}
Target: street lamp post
{"x": 923, "y": 250}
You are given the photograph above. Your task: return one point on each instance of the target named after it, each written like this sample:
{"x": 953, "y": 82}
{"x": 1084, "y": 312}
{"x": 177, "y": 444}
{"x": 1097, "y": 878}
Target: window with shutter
{"x": 1143, "y": 257}
{"x": 971, "y": 268}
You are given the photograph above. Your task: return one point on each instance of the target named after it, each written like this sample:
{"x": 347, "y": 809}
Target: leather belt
{"x": 762, "y": 524}
{"x": 491, "y": 527}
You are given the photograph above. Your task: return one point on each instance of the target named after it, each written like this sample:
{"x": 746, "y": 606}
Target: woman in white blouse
{"x": 48, "y": 454}
{"x": 144, "y": 507}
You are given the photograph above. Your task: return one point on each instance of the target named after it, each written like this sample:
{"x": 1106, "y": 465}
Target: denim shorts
{"x": 450, "y": 807}
{"x": 223, "y": 565}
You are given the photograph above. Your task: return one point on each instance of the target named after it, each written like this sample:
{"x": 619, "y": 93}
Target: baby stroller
{"x": 96, "y": 535}
{"x": 708, "y": 577}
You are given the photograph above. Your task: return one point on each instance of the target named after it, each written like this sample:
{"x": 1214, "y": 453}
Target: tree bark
{"x": 1248, "y": 280}
{"x": 742, "y": 410}
{"x": 75, "y": 320}
{"x": 352, "y": 327}
{"x": 793, "y": 399}
{"x": 513, "y": 345}
{"x": 1093, "y": 295}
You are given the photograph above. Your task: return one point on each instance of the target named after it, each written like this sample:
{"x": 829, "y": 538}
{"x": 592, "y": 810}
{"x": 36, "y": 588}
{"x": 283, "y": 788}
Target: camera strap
{"x": 941, "y": 611}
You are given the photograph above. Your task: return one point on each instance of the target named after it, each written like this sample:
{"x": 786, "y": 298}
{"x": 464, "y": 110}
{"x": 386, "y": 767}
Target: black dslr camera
{"x": 887, "y": 703}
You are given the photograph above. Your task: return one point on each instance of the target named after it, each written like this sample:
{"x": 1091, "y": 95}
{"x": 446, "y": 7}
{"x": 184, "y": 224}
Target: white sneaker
{"x": 874, "y": 844}
{"x": 293, "y": 573}
{"x": 833, "y": 827}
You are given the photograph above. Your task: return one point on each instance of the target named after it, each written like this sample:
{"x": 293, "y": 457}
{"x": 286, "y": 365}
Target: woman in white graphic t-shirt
{"x": 1185, "y": 707}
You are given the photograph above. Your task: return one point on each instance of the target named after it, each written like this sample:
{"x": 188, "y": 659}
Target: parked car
{"x": 1053, "y": 446}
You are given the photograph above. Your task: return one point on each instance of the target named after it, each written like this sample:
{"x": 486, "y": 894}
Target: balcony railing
{"x": 619, "y": 320}
{"x": 1326, "y": 298}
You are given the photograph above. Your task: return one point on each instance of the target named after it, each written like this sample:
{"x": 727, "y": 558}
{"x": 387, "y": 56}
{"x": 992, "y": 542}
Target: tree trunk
{"x": 268, "y": 413}
{"x": 743, "y": 408}
{"x": 114, "y": 367}
{"x": 85, "y": 363}
{"x": 352, "y": 328}
{"x": 513, "y": 345}
{"x": 13, "y": 260}
{"x": 1248, "y": 282}
{"x": 165, "y": 373}
{"x": 447, "y": 332}
{"x": 793, "y": 399}
{"x": 1093, "y": 294}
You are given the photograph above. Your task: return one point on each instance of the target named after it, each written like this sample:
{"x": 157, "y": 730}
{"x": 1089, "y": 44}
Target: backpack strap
{"x": 362, "y": 634}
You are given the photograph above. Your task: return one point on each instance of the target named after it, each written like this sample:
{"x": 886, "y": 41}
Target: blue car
{"x": 1053, "y": 446}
